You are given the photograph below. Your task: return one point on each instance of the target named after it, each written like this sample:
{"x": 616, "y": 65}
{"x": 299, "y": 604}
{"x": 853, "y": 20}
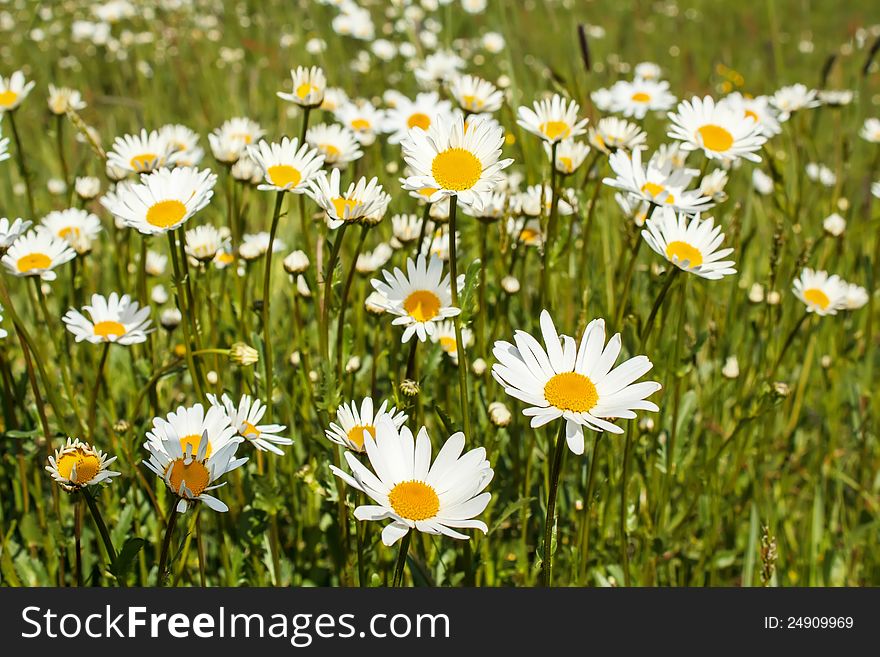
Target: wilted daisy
{"x": 418, "y": 113}
{"x": 361, "y": 118}
{"x": 552, "y": 119}
{"x": 637, "y": 98}
{"x": 570, "y": 154}
{"x": 335, "y": 142}
{"x": 203, "y": 242}
{"x": 11, "y": 231}
{"x": 822, "y": 294}
{"x": 13, "y": 91}
{"x": 62, "y": 99}
{"x": 308, "y": 87}
{"x": 612, "y": 134}
{"x": 413, "y": 493}
{"x": 37, "y": 253}
{"x": 455, "y": 161}
{"x": 362, "y": 199}
{"x": 475, "y": 95}
{"x": 718, "y": 130}
{"x": 77, "y": 464}
{"x": 689, "y": 243}
{"x": 420, "y": 298}
{"x": 182, "y": 144}
{"x": 756, "y": 108}
{"x": 113, "y": 319}
{"x": 445, "y": 337}
{"x": 351, "y": 422}
{"x": 164, "y": 200}
{"x": 575, "y": 383}
{"x": 288, "y": 167}
{"x": 141, "y": 153}
{"x": 245, "y": 418}
{"x": 190, "y": 450}
{"x": 794, "y": 98}
{"x": 655, "y": 185}
{"x": 78, "y": 227}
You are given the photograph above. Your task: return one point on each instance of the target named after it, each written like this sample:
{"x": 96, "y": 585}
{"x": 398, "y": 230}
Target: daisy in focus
{"x": 287, "y": 167}
{"x": 78, "y": 464}
{"x": 421, "y": 298}
{"x": 689, "y": 243}
{"x": 309, "y": 85}
{"x": 553, "y": 119}
{"x": 637, "y": 98}
{"x": 721, "y": 132}
{"x": 140, "y": 153}
{"x": 37, "y": 253}
{"x": 821, "y": 293}
{"x": 412, "y": 492}
{"x": 573, "y": 382}
{"x": 361, "y": 200}
{"x": 419, "y": 113}
{"x": 335, "y": 142}
{"x": 78, "y": 227}
{"x": 245, "y": 419}
{"x": 659, "y": 186}
{"x": 476, "y": 95}
{"x": 612, "y": 134}
{"x": 113, "y": 319}
{"x": 351, "y": 423}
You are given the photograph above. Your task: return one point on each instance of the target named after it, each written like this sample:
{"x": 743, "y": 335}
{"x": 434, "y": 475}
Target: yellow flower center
{"x": 715, "y": 138}
{"x": 283, "y": 175}
{"x": 682, "y": 251}
{"x": 67, "y": 230}
{"x": 361, "y": 124}
{"x": 817, "y": 297}
{"x": 8, "y": 98}
{"x": 225, "y": 258}
{"x": 471, "y": 103}
{"x": 571, "y": 391}
{"x": 414, "y": 500}
{"x": 340, "y": 204}
{"x": 641, "y": 97}
{"x": 356, "y": 434}
{"x": 305, "y": 89}
{"x": 330, "y": 151}
{"x": 751, "y": 115}
{"x": 422, "y": 305}
{"x": 193, "y": 441}
{"x": 250, "y": 431}
{"x": 419, "y": 120}
{"x": 427, "y": 192}
{"x": 565, "y": 164}
{"x": 108, "y": 328}
{"x": 246, "y": 137}
{"x": 194, "y": 475}
{"x": 448, "y": 345}
{"x": 87, "y": 464}
{"x": 456, "y": 169}
{"x": 653, "y": 189}
{"x": 555, "y": 130}
{"x": 529, "y": 236}
{"x": 165, "y": 214}
{"x": 143, "y": 161}
{"x": 33, "y": 261}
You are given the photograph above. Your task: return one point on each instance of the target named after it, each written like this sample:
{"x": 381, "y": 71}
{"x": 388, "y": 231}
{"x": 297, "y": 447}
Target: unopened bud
{"x": 243, "y": 354}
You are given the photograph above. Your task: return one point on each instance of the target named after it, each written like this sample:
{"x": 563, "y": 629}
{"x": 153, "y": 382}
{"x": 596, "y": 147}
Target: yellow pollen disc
{"x": 419, "y": 120}
{"x": 360, "y": 124}
{"x": 529, "y": 236}
{"x": 305, "y": 89}
{"x": 414, "y": 500}
{"x": 683, "y": 251}
{"x": 448, "y": 345}
{"x": 751, "y": 115}
{"x": 356, "y": 434}
{"x": 284, "y": 175}
{"x": 330, "y": 151}
{"x": 165, "y": 214}
{"x": 422, "y": 305}
{"x": 555, "y": 129}
{"x": 143, "y": 161}
{"x": 564, "y": 163}
{"x": 195, "y": 476}
{"x": 225, "y": 258}
{"x": 88, "y": 465}
{"x": 33, "y": 261}
{"x": 250, "y": 431}
{"x": 193, "y": 441}
{"x": 7, "y": 98}
{"x": 108, "y": 328}
{"x": 817, "y": 297}
{"x": 340, "y": 204}
{"x": 471, "y": 102}
{"x": 68, "y": 230}
{"x": 427, "y": 192}
{"x": 715, "y": 138}
{"x": 456, "y": 169}
{"x": 641, "y": 97}
{"x": 179, "y": 350}
{"x": 653, "y": 189}
{"x": 571, "y": 391}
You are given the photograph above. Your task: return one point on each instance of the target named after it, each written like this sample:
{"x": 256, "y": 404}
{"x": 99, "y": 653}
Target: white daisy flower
{"x": 362, "y": 199}
{"x": 308, "y": 87}
{"x": 361, "y": 118}
{"x": 11, "y": 231}
{"x": 256, "y": 245}
{"x": 856, "y": 297}
{"x": 288, "y": 167}
{"x": 141, "y": 153}
{"x": 438, "y": 67}
{"x": 570, "y": 155}
{"x": 164, "y": 199}
{"x": 13, "y": 91}
{"x": 718, "y": 130}
{"x": 794, "y": 98}
{"x": 455, "y": 161}
{"x": 536, "y": 201}
{"x": 445, "y": 337}
{"x": 647, "y": 71}
{"x": 244, "y": 419}
{"x": 406, "y": 228}
{"x": 758, "y": 109}
{"x": 77, "y": 464}
{"x": 351, "y": 422}
{"x": 419, "y": 113}
{"x": 870, "y": 131}
{"x": 62, "y": 99}
{"x": 78, "y": 227}
{"x": 182, "y": 144}
{"x": 87, "y": 187}
{"x": 575, "y": 383}
{"x": 113, "y": 319}
{"x": 689, "y": 243}
{"x": 476, "y": 95}
{"x": 190, "y": 450}
{"x": 156, "y": 263}
{"x": 637, "y": 98}
{"x": 822, "y": 294}
{"x": 664, "y": 187}
{"x": 335, "y": 142}
{"x": 413, "y": 493}
{"x": 37, "y": 253}
{"x": 204, "y": 242}
{"x": 370, "y": 261}
{"x": 612, "y": 134}
{"x": 334, "y": 98}
{"x": 420, "y": 298}
{"x": 553, "y": 119}
{"x": 526, "y": 231}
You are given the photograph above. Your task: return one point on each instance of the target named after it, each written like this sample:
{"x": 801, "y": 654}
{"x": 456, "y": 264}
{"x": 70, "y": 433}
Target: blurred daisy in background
{"x": 553, "y": 119}
{"x": 77, "y": 464}
{"x": 664, "y": 187}
{"x": 11, "y": 231}
{"x": 287, "y": 166}
{"x": 822, "y": 294}
{"x": 62, "y": 99}
{"x": 570, "y": 154}
{"x": 362, "y": 199}
{"x": 362, "y": 119}
{"x": 718, "y": 130}
{"x": 13, "y": 91}
{"x": 37, "y": 253}
{"x": 140, "y": 153}
{"x": 689, "y": 243}
{"x": 351, "y": 422}
{"x": 245, "y": 419}
{"x": 182, "y": 144}
{"x": 635, "y": 99}
{"x": 475, "y": 95}
{"x": 204, "y": 242}
{"x": 113, "y": 319}
{"x": 612, "y": 134}
{"x": 794, "y": 98}
{"x": 335, "y": 142}
{"x": 418, "y": 113}
{"x": 78, "y": 227}
{"x": 308, "y": 86}
{"x": 445, "y": 337}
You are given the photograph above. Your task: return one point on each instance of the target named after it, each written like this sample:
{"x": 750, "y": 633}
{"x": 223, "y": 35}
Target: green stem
{"x": 59, "y": 142}
{"x": 788, "y": 340}
{"x": 181, "y": 302}
{"x": 649, "y": 324}
{"x": 551, "y": 228}
{"x": 346, "y": 288}
{"x": 549, "y": 521}
{"x": 93, "y": 398}
{"x": 22, "y": 166}
{"x": 166, "y": 543}
{"x": 327, "y": 293}
{"x": 456, "y": 320}
{"x": 267, "y": 293}
{"x": 100, "y": 524}
{"x": 624, "y": 480}
{"x": 399, "y": 567}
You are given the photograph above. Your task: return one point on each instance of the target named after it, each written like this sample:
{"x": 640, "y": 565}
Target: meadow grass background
{"x": 805, "y": 464}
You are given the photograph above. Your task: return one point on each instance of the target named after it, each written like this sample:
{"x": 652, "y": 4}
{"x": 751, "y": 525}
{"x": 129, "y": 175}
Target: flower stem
{"x": 93, "y": 399}
{"x": 423, "y": 229}
{"x": 649, "y": 324}
{"x": 788, "y": 340}
{"x": 585, "y": 532}
{"x": 346, "y": 288}
{"x": 59, "y": 142}
{"x": 166, "y": 543}
{"x": 181, "y": 301}
{"x": 267, "y": 293}
{"x": 100, "y": 524}
{"x": 399, "y": 567}
{"x": 551, "y": 228}
{"x": 22, "y": 166}
{"x": 558, "y": 453}
{"x": 456, "y": 321}
{"x": 624, "y": 480}
{"x": 327, "y": 293}
{"x": 77, "y": 539}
